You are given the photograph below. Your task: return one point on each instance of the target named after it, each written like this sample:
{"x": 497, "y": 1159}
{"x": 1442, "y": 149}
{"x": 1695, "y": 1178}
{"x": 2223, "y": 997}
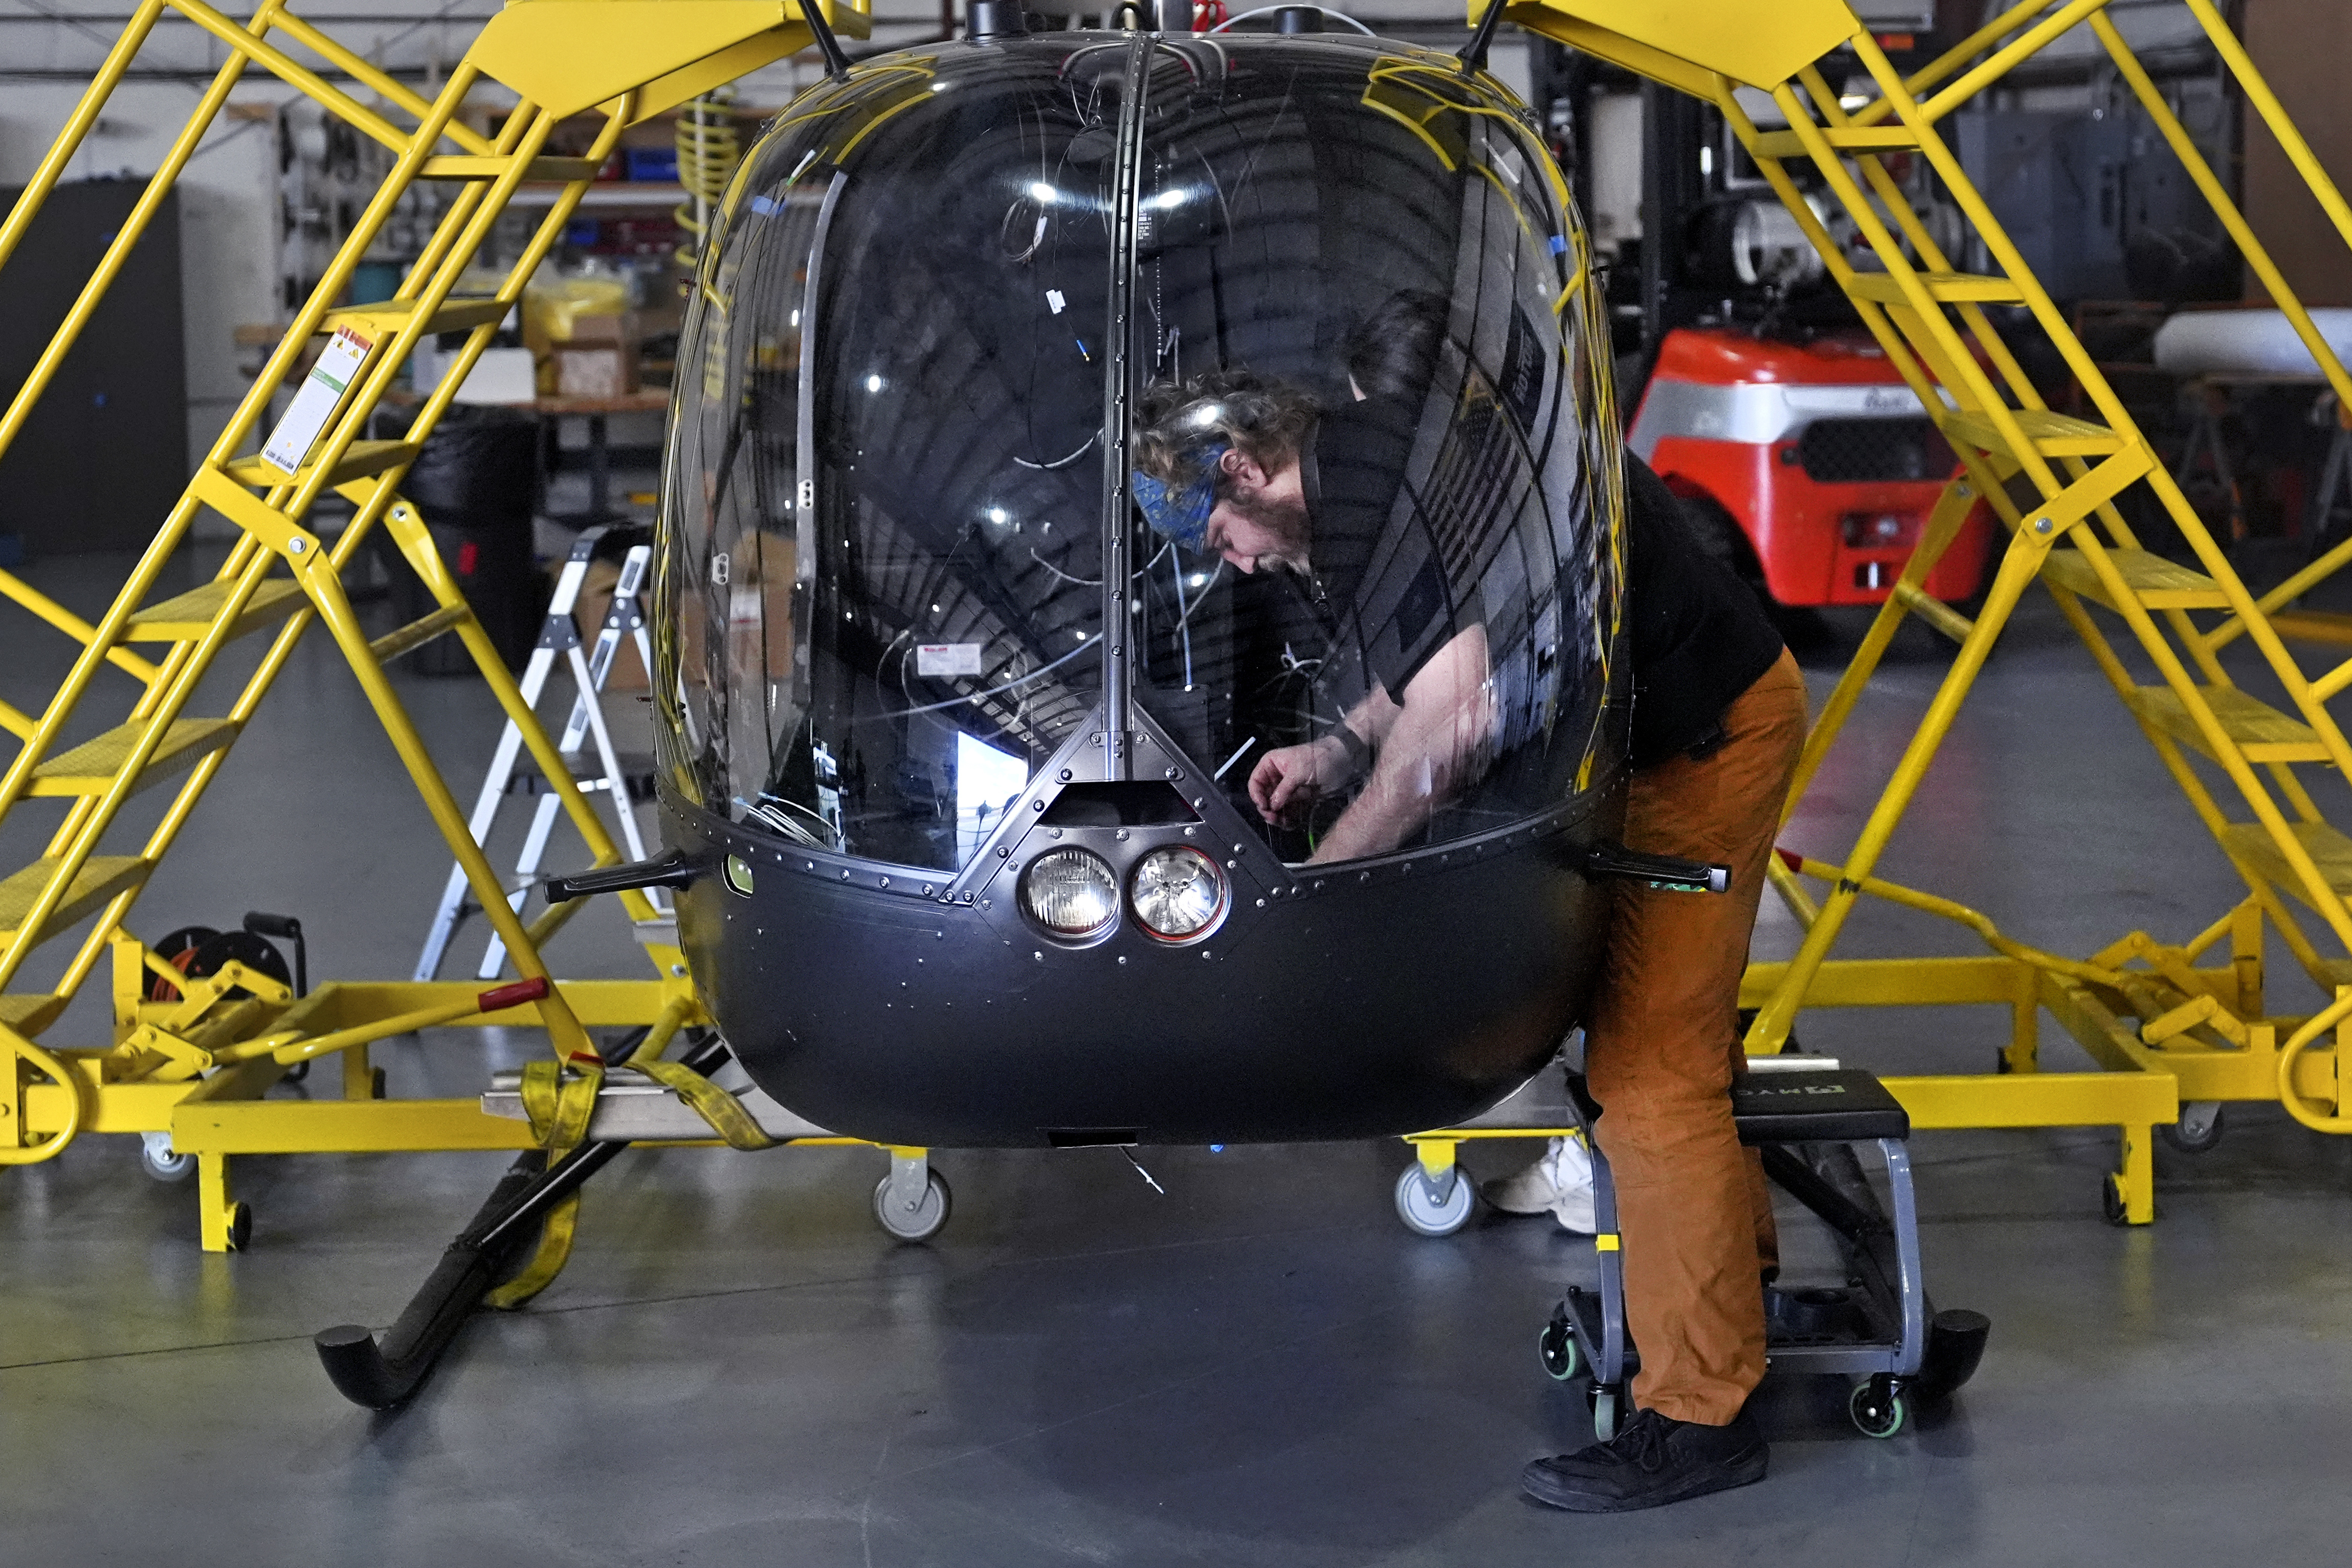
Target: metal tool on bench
{"x": 1803, "y": 1114}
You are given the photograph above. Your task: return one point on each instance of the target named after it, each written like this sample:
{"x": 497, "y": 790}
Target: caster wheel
{"x": 1878, "y": 1410}
{"x": 296, "y": 1074}
{"x": 375, "y": 1083}
{"x": 2111, "y": 1201}
{"x": 2001, "y": 1062}
{"x": 922, "y": 1221}
{"x": 156, "y": 1158}
{"x": 1428, "y": 1216}
{"x": 1558, "y": 1349}
{"x": 2199, "y": 1129}
{"x": 1607, "y": 1405}
{"x": 240, "y": 1227}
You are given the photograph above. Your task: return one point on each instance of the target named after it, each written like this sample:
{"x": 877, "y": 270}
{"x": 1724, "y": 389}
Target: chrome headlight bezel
{"x": 1213, "y": 874}
{"x": 1105, "y": 878}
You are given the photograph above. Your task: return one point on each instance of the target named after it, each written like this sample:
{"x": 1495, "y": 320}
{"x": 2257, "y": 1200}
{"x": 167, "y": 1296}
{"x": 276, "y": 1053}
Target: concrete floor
{"x": 1261, "y": 1366}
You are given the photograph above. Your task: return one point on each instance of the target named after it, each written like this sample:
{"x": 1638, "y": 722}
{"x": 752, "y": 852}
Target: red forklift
{"x": 1808, "y": 466}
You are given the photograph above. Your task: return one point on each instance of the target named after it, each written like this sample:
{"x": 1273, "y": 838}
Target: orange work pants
{"x": 1661, "y": 1049}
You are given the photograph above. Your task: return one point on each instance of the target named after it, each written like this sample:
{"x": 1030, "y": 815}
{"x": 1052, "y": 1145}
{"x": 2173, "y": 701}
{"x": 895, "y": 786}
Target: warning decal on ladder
{"x": 315, "y": 404}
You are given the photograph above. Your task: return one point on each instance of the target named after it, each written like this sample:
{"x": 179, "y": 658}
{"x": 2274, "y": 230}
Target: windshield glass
{"x": 881, "y": 578}
{"x": 1294, "y": 333}
{"x": 1364, "y": 335}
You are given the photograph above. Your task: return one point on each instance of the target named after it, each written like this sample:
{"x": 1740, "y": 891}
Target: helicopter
{"x": 962, "y": 750}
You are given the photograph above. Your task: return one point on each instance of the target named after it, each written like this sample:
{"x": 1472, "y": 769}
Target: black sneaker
{"x": 1656, "y": 1459}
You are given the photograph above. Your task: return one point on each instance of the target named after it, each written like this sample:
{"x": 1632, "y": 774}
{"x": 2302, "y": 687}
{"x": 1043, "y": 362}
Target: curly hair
{"x": 1263, "y": 418}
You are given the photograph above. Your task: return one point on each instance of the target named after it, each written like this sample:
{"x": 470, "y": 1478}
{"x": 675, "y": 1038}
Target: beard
{"x": 1284, "y": 518}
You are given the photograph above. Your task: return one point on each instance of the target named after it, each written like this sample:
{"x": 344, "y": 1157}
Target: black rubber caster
{"x": 924, "y": 1219}
{"x": 2199, "y": 1129}
{"x": 240, "y": 1227}
{"x": 1558, "y": 1349}
{"x": 1877, "y": 1408}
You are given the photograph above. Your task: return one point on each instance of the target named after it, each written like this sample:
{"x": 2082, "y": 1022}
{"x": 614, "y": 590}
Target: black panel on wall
{"x": 105, "y": 453}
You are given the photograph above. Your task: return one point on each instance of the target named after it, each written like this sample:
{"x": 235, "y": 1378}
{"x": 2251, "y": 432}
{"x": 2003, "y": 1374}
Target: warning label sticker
{"x": 322, "y": 393}
{"x": 947, "y": 659}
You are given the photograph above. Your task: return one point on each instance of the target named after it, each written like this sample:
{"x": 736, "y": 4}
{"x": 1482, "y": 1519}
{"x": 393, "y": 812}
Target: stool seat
{"x": 1803, "y": 1106}
{"x": 1837, "y": 1106}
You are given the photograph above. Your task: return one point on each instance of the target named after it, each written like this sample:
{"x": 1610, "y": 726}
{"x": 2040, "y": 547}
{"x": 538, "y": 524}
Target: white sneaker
{"x": 1558, "y": 1183}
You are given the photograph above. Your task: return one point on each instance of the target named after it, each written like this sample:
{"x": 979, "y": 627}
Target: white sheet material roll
{"x": 2246, "y": 343}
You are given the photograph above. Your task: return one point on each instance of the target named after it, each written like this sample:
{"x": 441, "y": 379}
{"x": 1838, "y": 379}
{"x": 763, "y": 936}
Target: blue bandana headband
{"x": 1181, "y": 512}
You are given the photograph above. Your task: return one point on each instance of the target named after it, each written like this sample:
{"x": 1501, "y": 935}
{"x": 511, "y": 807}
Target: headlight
{"x": 1070, "y": 893}
{"x": 1177, "y": 892}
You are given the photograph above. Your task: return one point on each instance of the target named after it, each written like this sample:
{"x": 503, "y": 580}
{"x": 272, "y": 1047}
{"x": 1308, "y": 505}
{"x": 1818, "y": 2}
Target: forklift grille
{"x": 1863, "y": 450}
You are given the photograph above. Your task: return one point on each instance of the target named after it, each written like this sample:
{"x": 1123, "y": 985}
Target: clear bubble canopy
{"x": 1233, "y": 409}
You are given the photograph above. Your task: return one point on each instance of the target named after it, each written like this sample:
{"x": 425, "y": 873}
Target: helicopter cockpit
{"x": 949, "y": 652}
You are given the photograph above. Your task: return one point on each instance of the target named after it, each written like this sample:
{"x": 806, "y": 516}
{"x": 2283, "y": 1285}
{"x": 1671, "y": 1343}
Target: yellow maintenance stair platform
{"x": 195, "y": 1064}
{"x": 2175, "y": 1036}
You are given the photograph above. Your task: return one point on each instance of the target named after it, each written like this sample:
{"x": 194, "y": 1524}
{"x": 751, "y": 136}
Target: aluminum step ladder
{"x": 559, "y": 640}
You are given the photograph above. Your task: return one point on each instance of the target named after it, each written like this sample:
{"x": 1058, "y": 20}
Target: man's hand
{"x": 1289, "y": 780}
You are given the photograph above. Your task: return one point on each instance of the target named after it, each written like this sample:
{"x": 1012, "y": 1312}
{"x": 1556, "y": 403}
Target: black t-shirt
{"x": 1377, "y": 605}
{"x": 1379, "y": 588}
{"x": 1700, "y": 638}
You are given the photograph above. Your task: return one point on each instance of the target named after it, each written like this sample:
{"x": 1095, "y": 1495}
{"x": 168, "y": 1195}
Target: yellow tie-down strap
{"x": 560, "y": 1098}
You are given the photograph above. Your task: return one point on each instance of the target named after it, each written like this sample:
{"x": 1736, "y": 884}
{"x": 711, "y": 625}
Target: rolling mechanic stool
{"x": 1803, "y": 1114}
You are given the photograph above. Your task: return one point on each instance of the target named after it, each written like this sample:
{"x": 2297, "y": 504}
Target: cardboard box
{"x": 628, "y": 671}
{"x": 598, "y": 371}
{"x": 608, "y": 327}
{"x": 500, "y": 375}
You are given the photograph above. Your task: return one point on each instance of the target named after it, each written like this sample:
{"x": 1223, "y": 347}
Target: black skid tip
{"x": 357, "y": 1368}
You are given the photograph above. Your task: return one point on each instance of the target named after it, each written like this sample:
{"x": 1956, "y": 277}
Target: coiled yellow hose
{"x": 709, "y": 148}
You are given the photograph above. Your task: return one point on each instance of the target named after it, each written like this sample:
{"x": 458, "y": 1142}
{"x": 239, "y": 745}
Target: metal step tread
{"x": 100, "y": 879}
{"x": 2156, "y": 583}
{"x": 359, "y": 459}
{"x": 2053, "y": 435}
{"x": 389, "y": 316}
{"x": 543, "y": 170}
{"x": 2313, "y": 626}
{"x": 91, "y": 768}
{"x": 1897, "y": 138}
{"x": 28, "y": 1014}
{"x": 2262, "y": 732}
{"x": 1950, "y": 287}
{"x": 2329, "y": 849}
{"x": 187, "y": 617}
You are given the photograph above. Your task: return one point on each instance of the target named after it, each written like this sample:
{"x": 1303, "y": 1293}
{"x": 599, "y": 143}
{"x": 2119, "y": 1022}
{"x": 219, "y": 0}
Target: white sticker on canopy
{"x": 321, "y": 394}
{"x": 946, "y": 658}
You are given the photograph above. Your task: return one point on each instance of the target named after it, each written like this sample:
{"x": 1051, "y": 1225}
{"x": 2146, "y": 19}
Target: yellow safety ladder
{"x": 2054, "y": 481}
{"x": 624, "y": 59}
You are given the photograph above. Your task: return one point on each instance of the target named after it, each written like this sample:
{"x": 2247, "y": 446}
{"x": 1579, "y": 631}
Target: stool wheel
{"x": 1607, "y": 1405}
{"x": 2111, "y": 1201}
{"x": 1879, "y": 1411}
{"x": 1556, "y": 1346}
